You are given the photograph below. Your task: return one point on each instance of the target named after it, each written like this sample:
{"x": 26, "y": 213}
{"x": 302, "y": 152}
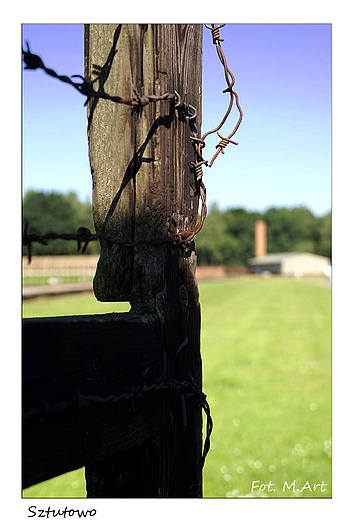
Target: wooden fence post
{"x": 144, "y": 188}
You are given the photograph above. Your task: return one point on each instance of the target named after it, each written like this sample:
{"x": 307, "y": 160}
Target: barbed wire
{"x": 84, "y": 235}
{"x": 138, "y": 102}
{"x": 187, "y": 112}
{"x": 81, "y": 401}
{"x": 85, "y": 87}
{"x": 230, "y": 79}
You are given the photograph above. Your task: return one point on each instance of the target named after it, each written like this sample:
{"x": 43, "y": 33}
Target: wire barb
{"x": 215, "y": 32}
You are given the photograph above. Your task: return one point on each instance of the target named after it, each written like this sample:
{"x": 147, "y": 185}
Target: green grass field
{"x": 266, "y": 348}
{"x": 53, "y": 280}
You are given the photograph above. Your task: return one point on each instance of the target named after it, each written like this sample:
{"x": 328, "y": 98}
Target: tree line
{"x": 227, "y": 236}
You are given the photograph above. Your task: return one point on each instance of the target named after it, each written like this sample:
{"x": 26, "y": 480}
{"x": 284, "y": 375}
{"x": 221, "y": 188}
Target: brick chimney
{"x": 260, "y": 234}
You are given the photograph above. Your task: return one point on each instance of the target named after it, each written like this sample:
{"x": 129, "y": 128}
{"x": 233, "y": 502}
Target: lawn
{"x": 54, "y": 280}
{"x": 266, "y": 348}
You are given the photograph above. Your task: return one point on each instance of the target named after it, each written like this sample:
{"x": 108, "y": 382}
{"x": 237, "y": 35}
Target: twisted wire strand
{"x": 84, "y": 235}
{"x": 230, "y": 79}
{"x": 33, "y": 62}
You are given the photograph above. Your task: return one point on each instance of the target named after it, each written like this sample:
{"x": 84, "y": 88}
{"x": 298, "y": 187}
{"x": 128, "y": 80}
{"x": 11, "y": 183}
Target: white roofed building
{"x": 296, "y": 264}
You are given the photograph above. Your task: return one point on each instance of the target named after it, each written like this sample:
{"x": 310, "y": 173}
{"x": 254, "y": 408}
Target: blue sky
{"x": 283, "y": 78}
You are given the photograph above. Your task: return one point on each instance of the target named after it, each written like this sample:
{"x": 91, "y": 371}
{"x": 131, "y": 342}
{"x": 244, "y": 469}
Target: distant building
{"x": 290, "y": 264}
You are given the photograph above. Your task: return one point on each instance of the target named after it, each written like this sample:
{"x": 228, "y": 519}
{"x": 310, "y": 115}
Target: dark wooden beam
{"x": 72, "y": 368}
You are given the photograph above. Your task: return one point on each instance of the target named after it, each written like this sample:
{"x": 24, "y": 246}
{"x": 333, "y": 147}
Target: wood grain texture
{"x": 143, "y": 187}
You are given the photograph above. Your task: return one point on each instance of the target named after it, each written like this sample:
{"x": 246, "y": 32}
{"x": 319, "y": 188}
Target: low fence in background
{"x": 55, "y": 275}
{"x": 58, "y": 269}
{"x": 59, "y": 266}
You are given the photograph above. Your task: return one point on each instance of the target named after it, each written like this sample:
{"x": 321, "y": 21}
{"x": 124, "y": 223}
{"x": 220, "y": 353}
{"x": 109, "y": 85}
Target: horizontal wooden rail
{"x": 72, "y": 367}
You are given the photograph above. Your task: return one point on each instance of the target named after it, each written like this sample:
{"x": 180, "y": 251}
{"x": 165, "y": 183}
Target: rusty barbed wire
{"x": 33, "y": 62}
{"x": 85, "y": 87}
{"x": 230, "y": 79}
{"x": 185, "y": 111}
{"x": 84, "y": 235}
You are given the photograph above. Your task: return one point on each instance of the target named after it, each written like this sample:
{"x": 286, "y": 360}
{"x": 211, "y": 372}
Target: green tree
{"x": 214, "y": 246}
{"x": 324, "y": 243}
{"x": 240, "y": 225}
{"x": 308, "y": 225}
{"x": 284, "y": 230}
{"x": 227, "y": 237}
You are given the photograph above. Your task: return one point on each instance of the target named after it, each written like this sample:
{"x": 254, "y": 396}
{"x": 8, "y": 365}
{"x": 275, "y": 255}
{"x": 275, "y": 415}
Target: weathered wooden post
{"x": 144, "y": 188}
